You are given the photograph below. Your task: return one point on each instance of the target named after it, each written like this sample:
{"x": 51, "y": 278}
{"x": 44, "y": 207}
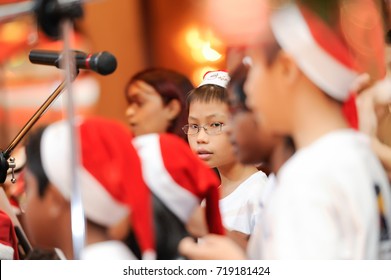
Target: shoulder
{"x": 249, "y": 191}
{"x": 335, "y": 153}
{"x": 254, "y": 184}
{"x": 340, "y": 164}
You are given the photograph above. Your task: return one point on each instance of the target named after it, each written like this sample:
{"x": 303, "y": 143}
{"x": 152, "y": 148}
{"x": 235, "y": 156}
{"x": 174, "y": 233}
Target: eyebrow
{"x": 209, "y": 116}
{"x": 133, "y": 97}
{"x": 193, "y": 118}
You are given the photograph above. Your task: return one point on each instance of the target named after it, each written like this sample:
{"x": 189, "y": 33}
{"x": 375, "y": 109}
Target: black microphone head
{"x": 103, "y": 63}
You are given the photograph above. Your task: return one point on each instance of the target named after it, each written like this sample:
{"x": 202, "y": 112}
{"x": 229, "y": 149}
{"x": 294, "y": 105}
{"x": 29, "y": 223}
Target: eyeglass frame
{"x": 205, "y": 129}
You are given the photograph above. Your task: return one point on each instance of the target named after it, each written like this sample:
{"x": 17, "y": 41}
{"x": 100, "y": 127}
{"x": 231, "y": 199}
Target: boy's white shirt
{"x": 324, "y": 205}
{"x": 240, "y": 209}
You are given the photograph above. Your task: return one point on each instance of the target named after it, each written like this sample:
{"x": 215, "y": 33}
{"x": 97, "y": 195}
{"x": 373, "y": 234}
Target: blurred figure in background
{"x": 374, "y": 99}
{"x": 156, "y": 102}
{"x": 108, "y": 170}
{"x": 176, "y": 183}
{"x": 252, "y": 143}
{"x": 332, "y": 199}
{"x": 311, "y": 80}
{"x": 373, "y": 105}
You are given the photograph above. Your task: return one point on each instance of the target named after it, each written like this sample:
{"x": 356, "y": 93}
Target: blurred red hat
{"x": 320, "y": 52}
{"x": 8, "y": 240}
{"x": 179, "y": 179}
{"x": 109, "y": 166}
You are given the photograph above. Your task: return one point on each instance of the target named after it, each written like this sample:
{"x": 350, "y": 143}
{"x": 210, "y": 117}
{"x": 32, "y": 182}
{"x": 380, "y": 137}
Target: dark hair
{"x": 386, "y": 20}
{"x": 33, "y": 158}
{"x": 43, "y": 254}
{"x": 168, "y": 231}
{"x": 271, "y": 49}
{"x": 170, "y": 85}
{"x": 207, "y": 93}
{"x": 236, "y": 94}
{"x": 289, "y": 144}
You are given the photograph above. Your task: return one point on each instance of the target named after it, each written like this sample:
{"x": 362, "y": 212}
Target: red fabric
{"x": 327, "y": 39}
{"x": 187, "y": 171}
{"x": 107, "y": 159}
{"x": 349, "y": 110}
{"x": 192, "y": 174}
{"x": 10, "y": 1}
{"x": 363, "y": 29}
{"x": 361, "y": 44}
{"x": 114, "y": 162}
{"x": 138, "y": 196}
{"x": 7, "y": 234}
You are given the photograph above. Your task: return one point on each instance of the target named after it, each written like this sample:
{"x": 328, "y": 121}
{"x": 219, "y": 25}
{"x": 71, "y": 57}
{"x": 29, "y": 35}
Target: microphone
{"x": 103, "y": 63}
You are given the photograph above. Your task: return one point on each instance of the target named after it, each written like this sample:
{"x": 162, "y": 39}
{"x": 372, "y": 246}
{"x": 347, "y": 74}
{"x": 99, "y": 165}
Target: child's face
{"x": 146, "y": 112}
{"x": 251, "y": 143}
{"x": 40, "y": 224}
{"x": 215, "y": 150}
{"x": 265, "y": 92}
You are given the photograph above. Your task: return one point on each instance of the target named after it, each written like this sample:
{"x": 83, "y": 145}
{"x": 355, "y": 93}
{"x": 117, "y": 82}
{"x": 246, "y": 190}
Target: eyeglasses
{"x": 210, "y": 129}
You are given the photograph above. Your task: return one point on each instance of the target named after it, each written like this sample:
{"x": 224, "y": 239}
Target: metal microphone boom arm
{"x": 5, "y": 155}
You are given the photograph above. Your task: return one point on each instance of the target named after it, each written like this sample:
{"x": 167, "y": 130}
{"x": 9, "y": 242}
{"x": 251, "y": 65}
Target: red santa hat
{"x": 109, "y": 166}
{"x": 8, "y": 240}
{"x": 219, "y": 78}
{"x": 179, "y": 179}
{"x": 322, "y": 56}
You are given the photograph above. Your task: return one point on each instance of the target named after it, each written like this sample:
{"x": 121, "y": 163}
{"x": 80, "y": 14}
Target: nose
{"x": 130, "y": 111}
{"x": 202, "y": 136}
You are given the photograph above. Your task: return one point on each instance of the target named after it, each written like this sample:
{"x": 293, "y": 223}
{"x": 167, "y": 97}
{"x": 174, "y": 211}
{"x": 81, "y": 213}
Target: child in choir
{"x": 241, "y": 185}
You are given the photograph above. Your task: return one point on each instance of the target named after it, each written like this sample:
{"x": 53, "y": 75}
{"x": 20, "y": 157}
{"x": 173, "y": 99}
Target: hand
{"x": 196, "y": 225}
{"x": 371, "y": 102}
{"x": 211, "y": 247}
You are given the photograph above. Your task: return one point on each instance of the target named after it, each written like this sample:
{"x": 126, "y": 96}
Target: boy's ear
{"x": 288, "y": 68}
{"x": 57, "y": 204}
{"x": 174, "y": 107}
{"x": 120, "y": 230}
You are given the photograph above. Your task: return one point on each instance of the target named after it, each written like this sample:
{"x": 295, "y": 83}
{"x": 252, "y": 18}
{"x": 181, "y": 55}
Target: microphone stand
{"x": 52, "y": 14}
{"x": 77, "y": 211}
{"x": 6, "y": 154}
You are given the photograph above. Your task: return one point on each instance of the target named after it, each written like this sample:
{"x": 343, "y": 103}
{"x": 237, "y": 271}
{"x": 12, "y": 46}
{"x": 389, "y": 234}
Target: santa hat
{"x": 318, "y": 51}
{"x": 219, "y": 78}
{"x": 8, "y": 240}
{"x": 179, "y": 179}
{"x": 109, "y": 166}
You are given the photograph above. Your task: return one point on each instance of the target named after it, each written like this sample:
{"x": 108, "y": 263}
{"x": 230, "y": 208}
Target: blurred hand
{"x": 211, "y": 247}
{"x": 372, "y": 102}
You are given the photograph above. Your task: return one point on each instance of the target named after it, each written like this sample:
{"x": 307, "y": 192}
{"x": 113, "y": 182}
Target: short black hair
{"x": 169, "y": 230}
{"x": 207, "y": 93}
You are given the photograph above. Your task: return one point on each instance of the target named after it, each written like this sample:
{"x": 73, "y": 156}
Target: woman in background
{"x": 156, "y": 101}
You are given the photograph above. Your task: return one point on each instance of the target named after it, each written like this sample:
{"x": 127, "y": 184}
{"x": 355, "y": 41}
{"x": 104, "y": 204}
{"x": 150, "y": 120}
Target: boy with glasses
{"x": 241, "y": 185}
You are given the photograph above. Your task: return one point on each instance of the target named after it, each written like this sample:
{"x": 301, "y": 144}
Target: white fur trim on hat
{"x": 149, "y": 255}
{"x": 179, "y": 200}
{"x": 292, "y": 33}
{"x": 6, "y": 252}
{"x": 98, "y": 204}
{"x": 220, "y": 78}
